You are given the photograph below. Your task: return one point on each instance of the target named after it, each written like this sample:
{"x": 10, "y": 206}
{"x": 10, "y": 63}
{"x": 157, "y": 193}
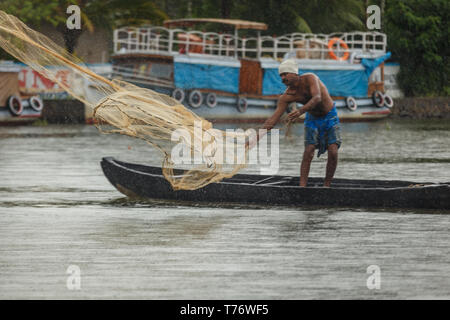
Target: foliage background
{"x": 418, "y": 36}
{"x": 417, "y": 30}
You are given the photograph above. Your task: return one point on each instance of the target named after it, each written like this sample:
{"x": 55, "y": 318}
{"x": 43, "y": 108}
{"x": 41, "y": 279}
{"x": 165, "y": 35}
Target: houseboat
{"x": 16, "y": 107}
{"x": 225, "y": 77}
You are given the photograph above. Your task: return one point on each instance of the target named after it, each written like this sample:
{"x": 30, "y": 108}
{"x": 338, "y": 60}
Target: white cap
{"x": 288, "y": 65}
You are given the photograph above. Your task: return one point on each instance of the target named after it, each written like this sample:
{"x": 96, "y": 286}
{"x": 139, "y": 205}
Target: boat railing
{"x": 164, "y": 41}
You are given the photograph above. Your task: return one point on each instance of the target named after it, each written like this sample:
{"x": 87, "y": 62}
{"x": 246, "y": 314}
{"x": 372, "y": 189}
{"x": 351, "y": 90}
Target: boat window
{"x": 163, "y": 71}
{"x": 142, "y": 69}
{"x": 127, "y": 66}
{"x": 129, "y": 69}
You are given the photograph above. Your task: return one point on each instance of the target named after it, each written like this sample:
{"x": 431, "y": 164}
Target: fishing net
{"x": 124, "y": 108}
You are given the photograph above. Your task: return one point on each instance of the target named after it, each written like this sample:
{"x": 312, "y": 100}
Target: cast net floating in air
{"x": 137, "y": 112}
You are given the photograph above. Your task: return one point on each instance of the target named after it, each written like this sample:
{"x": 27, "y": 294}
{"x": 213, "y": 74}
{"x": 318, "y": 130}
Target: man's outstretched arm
{"x": 281, "y": 107}
{"x": 271, "y": 122}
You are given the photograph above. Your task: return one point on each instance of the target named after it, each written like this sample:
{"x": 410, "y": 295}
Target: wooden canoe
{"x": 136, "y": 180}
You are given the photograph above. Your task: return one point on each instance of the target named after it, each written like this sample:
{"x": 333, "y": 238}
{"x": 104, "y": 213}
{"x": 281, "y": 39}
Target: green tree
{"x": 279, "y": 15}
{"x": 282, "y": 16}
{"x": 327, "y": 16}
{"x": 106, "y": 13}
{"x": 418, "y": 35}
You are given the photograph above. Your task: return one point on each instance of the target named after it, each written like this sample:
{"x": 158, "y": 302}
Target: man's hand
{"x": 269, "y": 124}
{"x": 253, "y": 139}
{"x": 294, "y": 115}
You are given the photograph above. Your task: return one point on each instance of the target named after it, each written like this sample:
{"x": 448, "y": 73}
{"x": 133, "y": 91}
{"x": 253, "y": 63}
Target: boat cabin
{"x": 152, "y": 53}
{"x": 191, "y": 64}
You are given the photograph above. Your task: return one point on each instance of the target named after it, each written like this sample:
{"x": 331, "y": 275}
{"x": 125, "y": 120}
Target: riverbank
{"x": 421, "y": 108}
{"x": 64, "y": 112}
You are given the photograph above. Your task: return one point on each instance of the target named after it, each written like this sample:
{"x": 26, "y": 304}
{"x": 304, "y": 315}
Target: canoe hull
{"x": 145, "y": 182}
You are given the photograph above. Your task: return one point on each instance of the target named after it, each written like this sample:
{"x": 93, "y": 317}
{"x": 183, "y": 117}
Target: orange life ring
{"x": 342, "y": 44}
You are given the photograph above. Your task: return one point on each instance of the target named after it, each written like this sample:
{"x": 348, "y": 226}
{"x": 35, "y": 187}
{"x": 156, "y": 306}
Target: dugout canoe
{"x": 136, "y": 180}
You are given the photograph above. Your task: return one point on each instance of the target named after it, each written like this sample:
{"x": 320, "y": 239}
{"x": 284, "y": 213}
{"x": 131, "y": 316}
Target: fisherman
{"x": 322, "y": 130}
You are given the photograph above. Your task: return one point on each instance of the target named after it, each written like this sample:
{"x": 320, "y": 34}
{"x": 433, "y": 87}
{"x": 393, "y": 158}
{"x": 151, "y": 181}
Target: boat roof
{"x": 238, "y": 24}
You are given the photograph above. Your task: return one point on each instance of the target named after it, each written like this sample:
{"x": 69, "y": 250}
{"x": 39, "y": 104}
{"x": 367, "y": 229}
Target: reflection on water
{"x": 57, "y": 209}
{"x": 171, "y": 232}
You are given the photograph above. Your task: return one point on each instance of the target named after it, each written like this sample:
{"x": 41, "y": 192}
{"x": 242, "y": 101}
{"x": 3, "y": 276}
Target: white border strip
{"x": 314, "y": 65}
{"x": 204, "y": 59}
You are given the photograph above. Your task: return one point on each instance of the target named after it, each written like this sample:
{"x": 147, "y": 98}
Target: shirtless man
{"x": 322, "y": 129}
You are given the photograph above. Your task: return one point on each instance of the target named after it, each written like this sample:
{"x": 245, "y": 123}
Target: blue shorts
{"x": 323, "y": 131}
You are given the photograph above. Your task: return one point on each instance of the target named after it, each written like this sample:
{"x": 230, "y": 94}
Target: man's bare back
{"x": 302, "y": 93}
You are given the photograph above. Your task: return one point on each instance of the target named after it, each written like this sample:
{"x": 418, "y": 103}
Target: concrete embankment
{"x": 64, "y": 111}
{"x": 421, "y": 108}
{"x": 73, "y": 111}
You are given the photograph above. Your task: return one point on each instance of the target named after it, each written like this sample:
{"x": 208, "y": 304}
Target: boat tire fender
{"x": 351, "y": 103}
{"x": 211, "y": 100}
{"x": 378, "y": 98}
{"x": 388, "y": 101}
{"x": 178, "y": 94}
{"x": 15, "y": 105}
{"x": 242, "y": 105}
{"x": 195, "y": 99}
{"x": 36, "y": 103}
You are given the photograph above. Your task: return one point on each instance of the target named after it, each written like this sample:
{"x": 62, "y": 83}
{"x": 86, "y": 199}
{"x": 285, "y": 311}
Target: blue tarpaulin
{"x": 200, "y": 73}
{"x": 344, "y": 83}
{"x": 338, "y": 82}
{"x": 371, "y": 64}
{"x": 206, "y": 76}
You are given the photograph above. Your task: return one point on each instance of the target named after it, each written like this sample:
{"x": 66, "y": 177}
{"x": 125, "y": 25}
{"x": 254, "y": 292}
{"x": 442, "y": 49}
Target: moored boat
{"x": 16, "y": 107}
{"x": 224, "y": 77}
{"x": 136, "y": 180}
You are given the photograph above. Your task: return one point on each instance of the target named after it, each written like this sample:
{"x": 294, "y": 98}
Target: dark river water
{"x": 66, "y": 233}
